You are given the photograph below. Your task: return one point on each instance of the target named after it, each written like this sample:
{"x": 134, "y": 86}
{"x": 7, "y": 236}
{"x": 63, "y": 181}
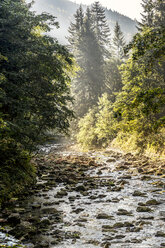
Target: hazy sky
{"x": 131, "y": 8}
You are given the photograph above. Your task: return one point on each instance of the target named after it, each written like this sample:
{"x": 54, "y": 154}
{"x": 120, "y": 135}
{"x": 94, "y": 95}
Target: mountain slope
{"x": 65, "y": 9}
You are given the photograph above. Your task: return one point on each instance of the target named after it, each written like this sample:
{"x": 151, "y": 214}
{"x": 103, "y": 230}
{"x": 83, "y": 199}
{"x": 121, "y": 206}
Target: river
{"x": 88, "y": 200}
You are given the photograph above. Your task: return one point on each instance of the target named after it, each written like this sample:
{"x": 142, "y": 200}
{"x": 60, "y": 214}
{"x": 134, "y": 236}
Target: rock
{"x": 99, "y": 172}
{"x": 147, "y": 178}
{"x": 80, "y": 188}
{"x": 162, "y": 213}
{"x": 143, "y": 209}
{"x": 14, "y": 219}
{"x": 127, "y": 163}
{"x": 107, "y": 228}
{"x": 125, "y": 177}
{"x": 124, "y": 212}
{"x": 152, "y": 202}
{"x": 36, "y": 205}
{"x": 120, "y": 224}
{"x": 140, "y": 170}
{"x": 49, "y": 211}
{"x": 111, "y": 160}
{"x": 134, "y": 229}
{"x": 44, "y": 244}
{"x": 138, "y": 193}
{"x": 23, "y": 229}
{"x": 78, "y": 210}
{"x": 119, "y": 236}
{"x": 103, "y": 216}
{"x": 122, "y": 167}
{"x": 45, "y": 222}
{"x": 72, "y": 198}
{"x": 160, "y": 234}
{"x": 93, "y": 242}
{"x": 107, "y": 245}
{"x": 61, "y": 193}
{"x": 141, "y": 204}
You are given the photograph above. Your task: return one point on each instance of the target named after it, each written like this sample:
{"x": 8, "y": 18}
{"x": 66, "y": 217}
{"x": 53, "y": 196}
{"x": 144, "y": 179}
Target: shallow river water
{"x": 122, "y": 209}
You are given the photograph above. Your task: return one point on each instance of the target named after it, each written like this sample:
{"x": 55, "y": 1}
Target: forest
{"x": 119, "y": 88}
{"x": 101, "y": 91}
{"x": 64, "y": 10}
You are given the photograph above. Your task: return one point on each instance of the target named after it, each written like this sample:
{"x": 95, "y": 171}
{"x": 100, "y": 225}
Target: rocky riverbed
{"x": 95, "y": 199}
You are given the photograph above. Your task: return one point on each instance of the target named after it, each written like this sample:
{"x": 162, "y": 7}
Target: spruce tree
{"x": 101, "y": 28}
{"x": 89, "y": 51}
{"x": 118, "y": 42}
{"x": 159, "y": 19}
{"x": 147, "y": 15}
{"x": 87, "y": 86}
{"x": 75, "y": 31}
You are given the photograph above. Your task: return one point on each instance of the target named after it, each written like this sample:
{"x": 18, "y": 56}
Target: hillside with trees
{"x": 65, "y": 9}
{"x": 122, "y": 86}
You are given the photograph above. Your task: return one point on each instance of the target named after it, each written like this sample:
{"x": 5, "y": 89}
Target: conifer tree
{"x": 101, "y": 28}
{"x": 147, "y": 15}
{"x": 159, "y": 18}
{"x": 90, "y": 56}
{"x": 75, "y": 30}
{"x": 118, "y": 42}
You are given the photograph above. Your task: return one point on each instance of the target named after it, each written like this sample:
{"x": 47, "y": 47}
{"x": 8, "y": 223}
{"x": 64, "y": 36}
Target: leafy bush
{"x": 87, "y": 136}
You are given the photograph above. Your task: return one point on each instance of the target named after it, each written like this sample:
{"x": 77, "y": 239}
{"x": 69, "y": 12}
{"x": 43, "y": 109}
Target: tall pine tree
{"x": 147, "y": 15}
{"x": 101, "y": 28}
{"x": 118, "y": 42}
{"x": 89, "y": 50}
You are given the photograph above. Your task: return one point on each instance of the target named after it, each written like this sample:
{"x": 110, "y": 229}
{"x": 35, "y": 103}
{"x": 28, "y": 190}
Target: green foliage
{"x": 147, "y": 15}
{"x": 105, "y": 124}
{"x": 87, "y": 136}
{"x": 89, "y": 39}
{"x": 16, "y": 171}
{"x": 113, "y": 80}
{"x": 98, "y": 126}
{"x": 136, "y": 118}
{"x": 36, "y": 80}
{"x": 34, "y": 91}
{"x": 118, "y": 42}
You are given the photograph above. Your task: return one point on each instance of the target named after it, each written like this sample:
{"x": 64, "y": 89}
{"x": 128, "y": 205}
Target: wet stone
{"x": 119, "y": 236}
{"x": 78, "y": 210}
{"x": 106, "y": 245}
{"x": 143, "y": 209}
{"x": 104, "y": 216}
{"x": 152, "y": 202}
{"x": 80, "y": 188}
{"x": 93, "y": 242}
{"x": 61, "y": 194}
{"x": 110, "y": 160}
{"x": 160, "y": 234}
{"x": 124, "y": 212}
{"x": 138, "y": 193}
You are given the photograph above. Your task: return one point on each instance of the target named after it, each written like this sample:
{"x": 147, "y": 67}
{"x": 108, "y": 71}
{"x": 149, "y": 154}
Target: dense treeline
{"x": 131, "y": 112}
{"x": 65, "y": 9}
{"x": 34, "y": 89}
{"x": 95, "y": 55}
